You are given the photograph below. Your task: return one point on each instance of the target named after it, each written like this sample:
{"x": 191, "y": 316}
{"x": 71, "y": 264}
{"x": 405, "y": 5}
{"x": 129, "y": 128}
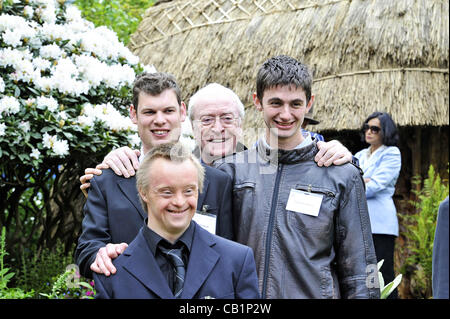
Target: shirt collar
{"x": 378, "y": 150}
{"x": 141, "y": 158}
{"x": 153, "y": 239}
{"x": 306, "y": 141}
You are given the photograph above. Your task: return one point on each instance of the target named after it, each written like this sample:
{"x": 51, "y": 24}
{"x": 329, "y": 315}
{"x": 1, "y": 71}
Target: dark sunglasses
{"x": 373, "y": 129}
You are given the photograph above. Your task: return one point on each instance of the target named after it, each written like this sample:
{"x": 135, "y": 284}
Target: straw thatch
{"x": 365, "y": 55}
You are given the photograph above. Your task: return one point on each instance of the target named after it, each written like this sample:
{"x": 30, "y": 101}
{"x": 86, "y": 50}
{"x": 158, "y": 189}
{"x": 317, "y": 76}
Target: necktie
{"x": 175, "y": 257}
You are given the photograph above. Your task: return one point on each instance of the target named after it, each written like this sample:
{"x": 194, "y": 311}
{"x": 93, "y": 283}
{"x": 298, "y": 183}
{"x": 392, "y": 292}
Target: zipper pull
{"x": 309, "y": 188}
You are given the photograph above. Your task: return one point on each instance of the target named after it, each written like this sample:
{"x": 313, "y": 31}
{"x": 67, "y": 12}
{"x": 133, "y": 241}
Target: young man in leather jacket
{"x": 308, "y": 225}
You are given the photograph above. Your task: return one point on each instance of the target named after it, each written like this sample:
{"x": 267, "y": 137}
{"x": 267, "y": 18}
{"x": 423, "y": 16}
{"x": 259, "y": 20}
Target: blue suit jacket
{"x": 114, "y": 214}
{"x": 217, "y": 268}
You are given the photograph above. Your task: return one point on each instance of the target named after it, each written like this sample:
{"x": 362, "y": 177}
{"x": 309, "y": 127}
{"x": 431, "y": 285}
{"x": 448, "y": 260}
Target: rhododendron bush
{"x": 65, "y": 88}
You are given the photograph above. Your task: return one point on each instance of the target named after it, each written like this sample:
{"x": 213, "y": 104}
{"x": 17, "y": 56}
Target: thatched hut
{"x": 365, "y": 55}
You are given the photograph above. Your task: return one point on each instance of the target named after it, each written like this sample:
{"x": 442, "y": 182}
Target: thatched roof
{"x": 365, "y": 55}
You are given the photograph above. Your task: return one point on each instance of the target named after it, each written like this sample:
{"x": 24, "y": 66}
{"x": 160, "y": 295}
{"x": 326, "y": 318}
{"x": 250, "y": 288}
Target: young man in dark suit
{"x": 172, "y": 256}
{"x": 113, "y": 214}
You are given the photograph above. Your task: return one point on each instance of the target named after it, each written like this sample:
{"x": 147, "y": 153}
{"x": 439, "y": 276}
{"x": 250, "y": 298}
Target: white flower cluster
{"x": 54, "y": 59}
{"x": 2, "y": 129}
{"x": 107, "y": 114}
{"x": 69, "y": 58}
{"x": 9, "y": 105}
{"x": 59, "y": 147}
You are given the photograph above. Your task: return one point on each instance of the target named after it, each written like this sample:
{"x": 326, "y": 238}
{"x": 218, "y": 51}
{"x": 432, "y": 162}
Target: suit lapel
{"x": 142, "y": 265}
{"x": 202, "y": 260}
{"x": 128, "y": 188}
{"x": 202, "y": 195}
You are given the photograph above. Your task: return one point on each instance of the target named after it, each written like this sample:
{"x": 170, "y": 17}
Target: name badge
{"x": 304, "y": 202}
{"x": 205, "y": 220}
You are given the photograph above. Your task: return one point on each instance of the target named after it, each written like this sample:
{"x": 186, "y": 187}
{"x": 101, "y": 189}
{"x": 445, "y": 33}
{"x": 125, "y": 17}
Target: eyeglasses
{"x": 225, "y": 119}
{"x": 373, "y": 129}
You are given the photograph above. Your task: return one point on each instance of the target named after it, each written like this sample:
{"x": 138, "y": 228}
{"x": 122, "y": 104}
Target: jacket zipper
{"x": 309, "y": 189}
{"x": 270, "y": 229}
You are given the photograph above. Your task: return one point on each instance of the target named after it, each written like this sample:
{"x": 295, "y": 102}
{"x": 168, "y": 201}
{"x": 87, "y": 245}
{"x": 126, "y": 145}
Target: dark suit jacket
{"x": 114, "y": 214}
{"x": 217, "y": 268}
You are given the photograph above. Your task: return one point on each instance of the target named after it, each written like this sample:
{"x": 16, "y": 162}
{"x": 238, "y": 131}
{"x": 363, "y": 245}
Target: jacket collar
{"x": 286, "y": 156}
{"x": 202, "y": 195}
{"x": 202, "y": 260}
{"x": 128, "y": 188}
{"x": 142, "y": 265}
{"x": 239, "y": 148}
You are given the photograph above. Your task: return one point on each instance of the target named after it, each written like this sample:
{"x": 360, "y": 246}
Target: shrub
{"x": 419, "y": 234}
{"x": 40, "y": 268}
{"x": 64, "y": 94}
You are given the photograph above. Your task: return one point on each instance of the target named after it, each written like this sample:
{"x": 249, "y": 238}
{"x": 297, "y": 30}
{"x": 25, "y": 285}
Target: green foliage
{"x": 6, "y": 276}
{"x": 39, "y": 268}
{"x": 49, "y": 273}
{"x": 122, "y": 16}
{"x": 419, "y": 234}
{"x": 68, "y": 286}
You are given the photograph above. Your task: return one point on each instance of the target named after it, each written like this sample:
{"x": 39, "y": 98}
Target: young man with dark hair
{"x": 308, "y": 225}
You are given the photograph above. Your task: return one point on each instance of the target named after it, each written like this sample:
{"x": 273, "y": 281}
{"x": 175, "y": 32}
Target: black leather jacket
{"x": 299, "y": 255}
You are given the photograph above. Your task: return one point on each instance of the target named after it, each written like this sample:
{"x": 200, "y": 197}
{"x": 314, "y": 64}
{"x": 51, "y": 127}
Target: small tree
{"x": 122, "y": 16}
{"x": 64, "y": 95}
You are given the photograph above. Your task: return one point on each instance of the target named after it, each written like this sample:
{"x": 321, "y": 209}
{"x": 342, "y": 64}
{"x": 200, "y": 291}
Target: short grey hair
{"x": 215, "y": 89}
{"x": 173, "y": 152}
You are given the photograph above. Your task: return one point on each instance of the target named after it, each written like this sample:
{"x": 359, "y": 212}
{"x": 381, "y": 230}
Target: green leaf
{"x": 85, "y": 284}
{"x": 36, "y": 92}
{"x": 3, "y": 271}
{"x": 36, "y": 135}
{"x": 385, "y": 292}
{"x": 68, "y": 135}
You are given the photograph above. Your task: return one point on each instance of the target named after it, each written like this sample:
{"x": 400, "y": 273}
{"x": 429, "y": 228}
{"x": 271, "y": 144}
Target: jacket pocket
{"x": 322, "y": 223}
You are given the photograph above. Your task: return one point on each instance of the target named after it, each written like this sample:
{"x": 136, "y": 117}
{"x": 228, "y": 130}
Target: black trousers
{"x": 384, "y": 249}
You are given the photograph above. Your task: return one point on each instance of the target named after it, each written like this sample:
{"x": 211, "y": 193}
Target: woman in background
{"x": 381, "y": 163}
